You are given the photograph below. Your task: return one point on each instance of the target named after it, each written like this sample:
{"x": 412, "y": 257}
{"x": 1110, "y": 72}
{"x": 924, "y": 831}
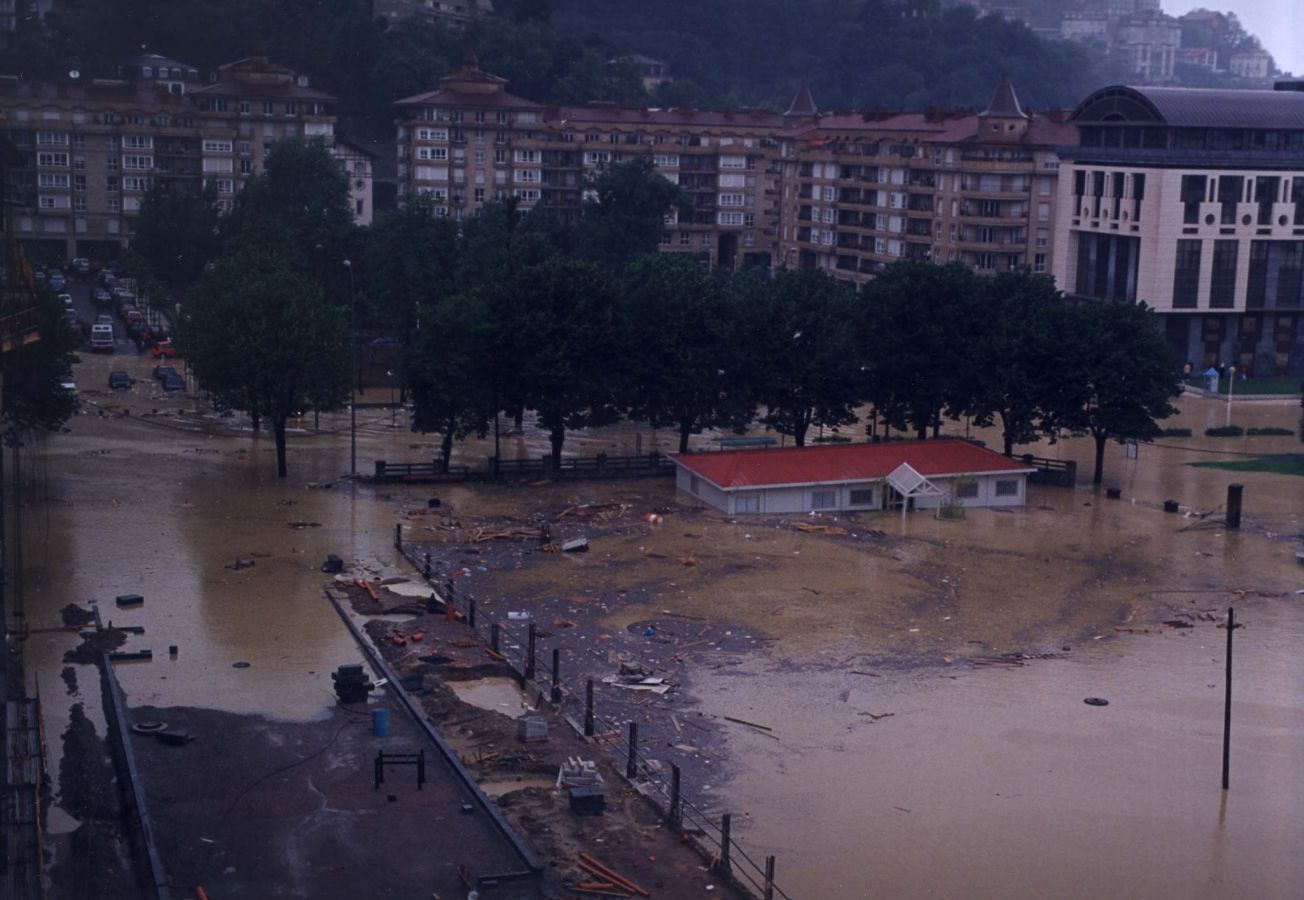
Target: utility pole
{"x": 353, "y": 373}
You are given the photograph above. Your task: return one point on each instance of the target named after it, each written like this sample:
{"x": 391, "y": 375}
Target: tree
{"x": 919, "y": 320}
{"x": 566, "y": 369}
{"x": 261, "y": 337}
{"x": 625, "y": 217}
{"x": 445, "y": 371}
{"x": 34, "y": 374}
{"x": 1120, "y": 373}
{"x": 176, "y": 233}
{"x": 412, "y": 256}
{"x": 683, "y": 364}
{"x": 298, "y": 208}
{"x": 804, "y": 367}
{"x": 1016, "y": 357}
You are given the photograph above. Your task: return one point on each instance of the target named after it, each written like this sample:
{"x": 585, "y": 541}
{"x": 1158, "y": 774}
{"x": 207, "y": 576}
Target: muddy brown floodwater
{"x": 902, "y": 768}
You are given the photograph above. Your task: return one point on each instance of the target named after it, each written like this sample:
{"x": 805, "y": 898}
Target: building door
{"x": 892, "y": 499}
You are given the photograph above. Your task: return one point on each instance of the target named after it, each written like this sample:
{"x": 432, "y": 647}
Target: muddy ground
{"x": 441, "y": 660}
{"x": 811, "y": 635}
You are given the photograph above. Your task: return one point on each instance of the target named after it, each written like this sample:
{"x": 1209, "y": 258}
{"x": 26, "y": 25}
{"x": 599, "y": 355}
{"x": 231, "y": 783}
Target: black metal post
{"x": 421, "y": 769}
{"x": 769, "y": 878}
{"x": 493, "y": 636}
{"x": 588, "y": 708}
{"x": 631, "y": 764}
{"x": 1234, "y": 492}
{"x": 398, "y": 535}
{"x": 380, "y": 768}
{"x": 676, "y": 807}
{"x": 529, "y": 653}
{"x": 426, "y": 571}
{"x": 470, "y": 613}
{"x": 1227, "y": 703}
{"x": 556, "y": 675}
{"x": 726, "y": 821}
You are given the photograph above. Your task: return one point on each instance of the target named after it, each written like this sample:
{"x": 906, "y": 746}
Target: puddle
{"x": 496, "y": 694}
{"x": 496, "y": 789}
{"x": 409, "y": 589}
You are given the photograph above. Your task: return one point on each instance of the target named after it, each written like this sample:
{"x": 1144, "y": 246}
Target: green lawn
{"x": 1259, "y": 386}
{"x": 1282, "y": 464}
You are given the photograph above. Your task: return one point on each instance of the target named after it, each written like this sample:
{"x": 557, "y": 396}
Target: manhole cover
{"x": 240, "y": 665}
{"x": 149, "y": 727}
{"x": 1096, "y": 701}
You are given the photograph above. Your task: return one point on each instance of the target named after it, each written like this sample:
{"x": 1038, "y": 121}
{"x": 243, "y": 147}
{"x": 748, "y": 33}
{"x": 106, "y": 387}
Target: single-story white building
{"x": 849, "y": 477}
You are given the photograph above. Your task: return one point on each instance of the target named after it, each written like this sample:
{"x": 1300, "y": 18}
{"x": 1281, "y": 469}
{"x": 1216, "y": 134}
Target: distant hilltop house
{"x": 454, "y": 11}
{"x": 853, "y": 477}
{"x": 1254, "y": 65}
{"x": 652, "y": 72}
{"x": 167, "y": 74}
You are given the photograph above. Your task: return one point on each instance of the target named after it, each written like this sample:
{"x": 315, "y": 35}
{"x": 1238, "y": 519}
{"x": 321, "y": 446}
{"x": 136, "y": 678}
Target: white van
{"x": 102, "y": 338}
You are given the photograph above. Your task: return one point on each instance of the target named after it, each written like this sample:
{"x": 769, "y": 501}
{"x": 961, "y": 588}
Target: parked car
{"x": 66, "y": 300}
{"x": 57, "y": 282}
{"x": 119, "y": 381}
{"x": 102, "y": 338}
{"x": 81, "y": 266}
{"x": 173, "y": 382}
{"x": 162, "y": 371}
{"x": 102, "y": 297}
{"x": 163, "y": 349}
{"x": 104, "y": 319}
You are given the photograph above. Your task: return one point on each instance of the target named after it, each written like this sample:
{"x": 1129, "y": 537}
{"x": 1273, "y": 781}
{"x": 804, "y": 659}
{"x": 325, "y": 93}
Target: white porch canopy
{"x": 907, "y": 482}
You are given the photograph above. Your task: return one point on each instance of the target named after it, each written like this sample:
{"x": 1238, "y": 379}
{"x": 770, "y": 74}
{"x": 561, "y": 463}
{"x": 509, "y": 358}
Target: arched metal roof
{"x": 1192, "y": 108}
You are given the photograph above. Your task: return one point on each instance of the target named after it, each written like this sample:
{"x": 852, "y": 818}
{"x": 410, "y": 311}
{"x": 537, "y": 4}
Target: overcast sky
{"x": 1278, "y": 24}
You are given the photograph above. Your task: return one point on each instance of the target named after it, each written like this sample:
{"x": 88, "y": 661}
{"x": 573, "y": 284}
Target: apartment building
{"x": 359, "y": 164}
{"x": 1192, "y": 200}
{"x": 470, "y": 141}
{"x": 861, "y": 191}
{"x": 93, "y": 149}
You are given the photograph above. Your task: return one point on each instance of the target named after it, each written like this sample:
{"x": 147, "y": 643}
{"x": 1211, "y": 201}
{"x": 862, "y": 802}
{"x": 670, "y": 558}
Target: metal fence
{"x": 518, "y": 645}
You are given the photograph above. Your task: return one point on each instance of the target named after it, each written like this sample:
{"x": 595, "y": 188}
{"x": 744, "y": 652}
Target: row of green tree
{"x": 585, "y": 322}
{"x": 726, "y": 53}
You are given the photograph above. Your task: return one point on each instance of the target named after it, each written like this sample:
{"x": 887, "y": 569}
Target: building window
{"x": 246, "y": 167}
{"x": 861, "y": 497}
{"x": 967, "y": 489}
{"x": 1039, "y": 263}
{"x": 747, "y": 503}
{"x": 243, "y": 107}
{"x": 824, "y": 499}
{"x": 1007, "y": 487}
{"x": 52, "y": 159}
{"x": 1222, "y": 283}
{"x": 479, "y": 195}
{"x": 269, "y": 108}
{"x": 1193, "y": 188}
{"x": 144, "y": 162}
{"x": 685, "y": 238}
{"x": 115, "y": 205}
{"x": 1186, "y": 275}
{"x": 216, "y": 146}
{"x": 359, "y": 208}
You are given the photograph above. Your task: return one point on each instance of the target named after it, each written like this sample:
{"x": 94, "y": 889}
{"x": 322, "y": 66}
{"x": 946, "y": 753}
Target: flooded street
{"x": 900, "y": 769}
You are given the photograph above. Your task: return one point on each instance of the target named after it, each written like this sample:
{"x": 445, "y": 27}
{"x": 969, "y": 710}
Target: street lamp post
{"x": 353, "y": 373}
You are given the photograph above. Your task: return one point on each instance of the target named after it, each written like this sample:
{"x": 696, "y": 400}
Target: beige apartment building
{"x": 861, "y": 190}
{"x": 94, "y": 148}
{"x": 469, "y": 141}
{"x": 1193, "y": 201}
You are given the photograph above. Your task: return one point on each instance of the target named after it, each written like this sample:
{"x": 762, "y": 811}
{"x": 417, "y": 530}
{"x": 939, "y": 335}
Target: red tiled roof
{"x": 840, "y": 463}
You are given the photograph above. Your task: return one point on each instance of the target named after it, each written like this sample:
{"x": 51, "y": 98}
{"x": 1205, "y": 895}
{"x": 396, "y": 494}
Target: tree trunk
{"x": 278, "y": 430}
{"x": 1009, "y": 444}
{"x": 446, "y": 445}
{"x": 1099, "y": 476}
{"x": 257, "y": 421}
{"x": 923, "y": 430}
{"x": 518, "y": 418}
{"x": 685, "y": 429}
{"x": 557, "y": 437}
{"x": 937, "y": 427}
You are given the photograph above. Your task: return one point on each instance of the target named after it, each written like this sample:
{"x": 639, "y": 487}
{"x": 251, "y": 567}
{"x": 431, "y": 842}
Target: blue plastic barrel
{"x": 380, "y": 722}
